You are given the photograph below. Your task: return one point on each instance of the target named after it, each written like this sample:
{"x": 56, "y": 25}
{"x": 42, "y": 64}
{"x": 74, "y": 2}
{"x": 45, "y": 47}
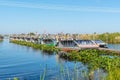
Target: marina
{"x": 65, "y": 44}
{"x": 22, "y": 56}
{"x": 59, "y": 40}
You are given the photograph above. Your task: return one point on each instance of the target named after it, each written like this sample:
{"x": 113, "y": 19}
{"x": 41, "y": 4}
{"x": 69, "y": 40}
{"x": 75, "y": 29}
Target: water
{"x": 114, "y": 46}
{"x": 27, "y": 63}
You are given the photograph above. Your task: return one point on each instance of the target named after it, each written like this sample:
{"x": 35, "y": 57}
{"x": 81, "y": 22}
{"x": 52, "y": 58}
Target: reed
{"x": 1, "y": 40}
{"x": 15, "y": 78}
{"x": 67, "y": 74}
{"x": 113, "y": 74}
{"x": 95, "y": 59}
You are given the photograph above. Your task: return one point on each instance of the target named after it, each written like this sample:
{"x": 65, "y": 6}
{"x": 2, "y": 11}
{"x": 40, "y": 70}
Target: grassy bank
{"x": 46, "y": 48}
{"x": 96, "y": 59}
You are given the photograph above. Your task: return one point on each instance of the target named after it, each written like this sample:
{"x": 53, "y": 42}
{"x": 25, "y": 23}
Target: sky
{"x": 55, "y": 16}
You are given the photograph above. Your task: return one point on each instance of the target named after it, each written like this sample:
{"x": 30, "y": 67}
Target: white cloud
{"x": 61, "y": 7}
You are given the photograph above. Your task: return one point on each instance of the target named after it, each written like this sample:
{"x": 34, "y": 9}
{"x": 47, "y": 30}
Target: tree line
{"x": 113, "y": 38}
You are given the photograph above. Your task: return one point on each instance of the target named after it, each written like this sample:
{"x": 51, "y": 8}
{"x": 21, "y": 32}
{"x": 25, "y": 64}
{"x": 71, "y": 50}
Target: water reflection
{"x": 28, "y": 63}
{"x": 114, "y": 46}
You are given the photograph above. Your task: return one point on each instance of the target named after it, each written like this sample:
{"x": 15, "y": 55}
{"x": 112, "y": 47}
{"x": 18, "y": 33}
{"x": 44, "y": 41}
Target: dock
{"x": 65, "y": 44}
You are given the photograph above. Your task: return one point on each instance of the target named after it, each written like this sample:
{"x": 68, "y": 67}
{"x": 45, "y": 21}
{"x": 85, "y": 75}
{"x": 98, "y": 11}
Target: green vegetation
{"x": 114, "y": 74}
{"x": 65, "y": 73}
{"x": 96, "y": 59}
{"x": 1, "y": 40}
{"x": 110, "y": 37}
{"x": 113, "y": 38}
{"x": 46, "y": 48}
{"x": 15, "y": 78}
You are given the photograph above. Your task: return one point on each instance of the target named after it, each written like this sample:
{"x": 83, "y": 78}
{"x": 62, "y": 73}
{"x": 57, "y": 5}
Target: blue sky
{"x": 53, "y": 16}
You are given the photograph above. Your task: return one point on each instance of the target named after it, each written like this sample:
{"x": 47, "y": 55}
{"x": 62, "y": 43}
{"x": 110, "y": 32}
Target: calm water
{"x": 114, "y": 46}
{"x": 29, "y": 64}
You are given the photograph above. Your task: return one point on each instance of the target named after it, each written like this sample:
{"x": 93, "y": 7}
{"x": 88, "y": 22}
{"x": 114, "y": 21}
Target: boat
{"x": 48, "y": 41}
{"x": 77, "y": 44}
{"x": 101, "y": 44}
{"x": 68, "y": 45}
{"x": 86, "y": 44}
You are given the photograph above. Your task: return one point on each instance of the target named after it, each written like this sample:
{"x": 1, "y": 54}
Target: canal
{"x": 30, "y": 64}
{"x": 27, "y": 63}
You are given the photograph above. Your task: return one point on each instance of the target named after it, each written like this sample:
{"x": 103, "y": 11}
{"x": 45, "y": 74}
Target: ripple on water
{"x": 27, "y": 63}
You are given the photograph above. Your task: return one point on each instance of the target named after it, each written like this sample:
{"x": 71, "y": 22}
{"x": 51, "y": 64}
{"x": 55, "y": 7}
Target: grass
{"x": 15, "y": 78}
{"x": 95, "y": 59}
{"x": 114, "y": 74}
{"x": 66, "y": 73}
{"x": 43, "y": 47}
{"x": 1, "y": 40}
